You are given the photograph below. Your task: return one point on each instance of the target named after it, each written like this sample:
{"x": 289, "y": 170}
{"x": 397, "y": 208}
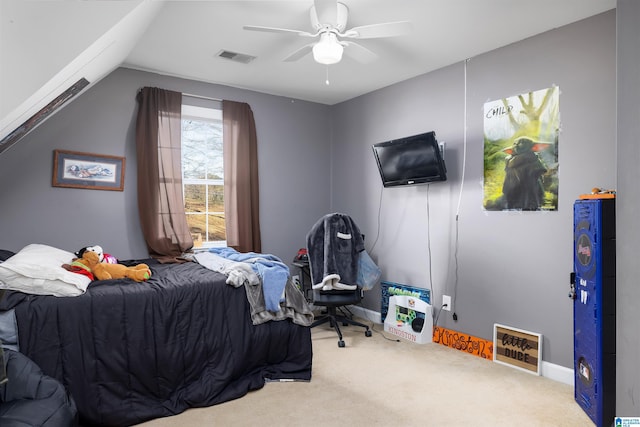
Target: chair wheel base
{"x": 340, "y": 343}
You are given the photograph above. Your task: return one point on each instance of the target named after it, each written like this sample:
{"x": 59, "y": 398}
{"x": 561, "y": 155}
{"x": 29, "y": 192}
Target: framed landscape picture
{"x": 90, "y": 171}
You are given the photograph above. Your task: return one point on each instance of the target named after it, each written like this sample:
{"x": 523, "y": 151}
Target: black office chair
{"x": 334, "y": 244}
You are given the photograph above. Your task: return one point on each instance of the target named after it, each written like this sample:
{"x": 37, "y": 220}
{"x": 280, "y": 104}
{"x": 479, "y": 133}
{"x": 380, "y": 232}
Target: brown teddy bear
{"x": 106, "y": 271}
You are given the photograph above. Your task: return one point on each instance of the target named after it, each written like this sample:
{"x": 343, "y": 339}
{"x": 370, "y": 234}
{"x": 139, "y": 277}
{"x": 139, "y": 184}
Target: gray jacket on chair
{"x": 334, "y": 244}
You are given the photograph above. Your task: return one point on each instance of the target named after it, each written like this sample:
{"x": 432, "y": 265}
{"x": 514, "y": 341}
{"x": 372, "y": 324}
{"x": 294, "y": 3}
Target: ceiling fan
{"x": 329, "y": 22}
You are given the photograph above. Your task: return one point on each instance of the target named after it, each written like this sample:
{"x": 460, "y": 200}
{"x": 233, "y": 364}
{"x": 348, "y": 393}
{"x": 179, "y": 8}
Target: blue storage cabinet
{"x": 594, "y": 308}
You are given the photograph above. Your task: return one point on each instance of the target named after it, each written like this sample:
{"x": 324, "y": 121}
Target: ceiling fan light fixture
{"x": 328, "y": 51}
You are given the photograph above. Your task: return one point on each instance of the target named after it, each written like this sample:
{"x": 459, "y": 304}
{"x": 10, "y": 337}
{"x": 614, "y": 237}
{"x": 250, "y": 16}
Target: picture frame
{"x": 73, "y": 169}
{"x": 517, "y": 348}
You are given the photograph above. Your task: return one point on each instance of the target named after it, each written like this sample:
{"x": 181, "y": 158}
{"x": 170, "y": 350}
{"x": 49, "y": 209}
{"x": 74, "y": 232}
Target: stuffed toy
{"x": 78, "y": 267}
{"x": 104, "y": 271}
{"x": 101, "y": 255}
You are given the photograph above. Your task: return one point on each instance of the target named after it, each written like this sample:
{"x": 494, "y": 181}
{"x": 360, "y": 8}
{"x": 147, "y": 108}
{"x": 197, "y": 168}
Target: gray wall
{"x": 293, "y": 157}
{"x": 627, "y": 208}
{"x": 513, "y": 268}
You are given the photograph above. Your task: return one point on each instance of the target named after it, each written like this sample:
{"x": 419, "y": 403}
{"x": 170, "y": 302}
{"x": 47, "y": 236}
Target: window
{"x": 202, "y": 175}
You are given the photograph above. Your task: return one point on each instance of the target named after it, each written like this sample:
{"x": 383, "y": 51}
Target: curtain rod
{"x": 202, "y": 97}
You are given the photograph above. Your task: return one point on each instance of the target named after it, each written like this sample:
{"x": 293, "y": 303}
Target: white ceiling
{"x": 47, "y": 45}
{"x": 185, "y": 37}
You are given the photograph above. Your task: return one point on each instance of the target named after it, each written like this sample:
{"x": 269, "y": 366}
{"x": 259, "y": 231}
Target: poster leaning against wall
{"x": 521, "y": 152}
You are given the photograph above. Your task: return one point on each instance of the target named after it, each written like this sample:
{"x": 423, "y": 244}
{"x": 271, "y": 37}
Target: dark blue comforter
{"x": 129, "y": 352}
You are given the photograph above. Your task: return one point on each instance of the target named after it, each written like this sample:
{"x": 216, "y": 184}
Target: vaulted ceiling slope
{"x": 46, "y": 46}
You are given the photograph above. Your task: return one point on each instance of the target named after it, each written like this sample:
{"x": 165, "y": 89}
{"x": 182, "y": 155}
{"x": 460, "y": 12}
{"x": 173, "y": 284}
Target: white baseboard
{"x": 365, "y": 313}
{"x": 557, "y": 373}
{"x": 548, "y": 370}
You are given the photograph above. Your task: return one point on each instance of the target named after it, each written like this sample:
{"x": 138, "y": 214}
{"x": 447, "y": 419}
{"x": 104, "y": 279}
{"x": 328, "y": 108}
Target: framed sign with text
{"x": 517, "y": 348}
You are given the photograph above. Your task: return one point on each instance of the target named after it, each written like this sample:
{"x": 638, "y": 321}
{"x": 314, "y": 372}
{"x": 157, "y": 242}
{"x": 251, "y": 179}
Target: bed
{"x": 129, "y": 352}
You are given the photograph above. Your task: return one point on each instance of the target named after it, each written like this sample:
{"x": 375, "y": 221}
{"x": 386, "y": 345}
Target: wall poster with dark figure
{"x": 521, "y": 152}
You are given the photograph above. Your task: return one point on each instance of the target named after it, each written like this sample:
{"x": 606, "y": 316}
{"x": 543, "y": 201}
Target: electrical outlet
{"x": 446, "y": 302}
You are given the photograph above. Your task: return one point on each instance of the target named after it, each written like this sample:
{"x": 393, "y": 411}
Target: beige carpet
{"x": 379, "y": 382}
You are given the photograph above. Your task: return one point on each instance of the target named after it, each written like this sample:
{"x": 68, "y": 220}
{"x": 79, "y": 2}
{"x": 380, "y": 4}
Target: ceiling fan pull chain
{"x": 327, "y": 80}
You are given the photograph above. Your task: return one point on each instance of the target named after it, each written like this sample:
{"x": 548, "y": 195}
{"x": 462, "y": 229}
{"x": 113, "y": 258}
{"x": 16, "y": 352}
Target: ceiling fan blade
{"x": 278, "y": 30}
{"x": 359, "y": 52}
{"x": 304, "y": 50}
{"x": 388, "y": 29}
{"x": 326, "y": 11}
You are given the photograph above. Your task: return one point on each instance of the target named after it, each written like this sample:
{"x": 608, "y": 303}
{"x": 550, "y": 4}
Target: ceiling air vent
{"x": 234, "y": 56}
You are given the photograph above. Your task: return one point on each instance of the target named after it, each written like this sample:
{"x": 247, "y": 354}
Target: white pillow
{"x": 37, "y": 269}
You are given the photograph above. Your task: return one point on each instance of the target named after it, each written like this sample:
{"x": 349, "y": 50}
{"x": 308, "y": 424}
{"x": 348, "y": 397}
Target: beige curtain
{"x": 241, "y": 195}
{"x": 160, "y": 199}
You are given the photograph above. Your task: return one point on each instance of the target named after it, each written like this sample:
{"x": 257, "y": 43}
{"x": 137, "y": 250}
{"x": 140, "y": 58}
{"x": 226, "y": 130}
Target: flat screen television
{"x": 411, "y": 160}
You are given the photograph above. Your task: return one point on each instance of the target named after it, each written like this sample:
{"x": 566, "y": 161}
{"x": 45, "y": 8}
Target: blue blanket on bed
{"x": 271, "y": 270}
